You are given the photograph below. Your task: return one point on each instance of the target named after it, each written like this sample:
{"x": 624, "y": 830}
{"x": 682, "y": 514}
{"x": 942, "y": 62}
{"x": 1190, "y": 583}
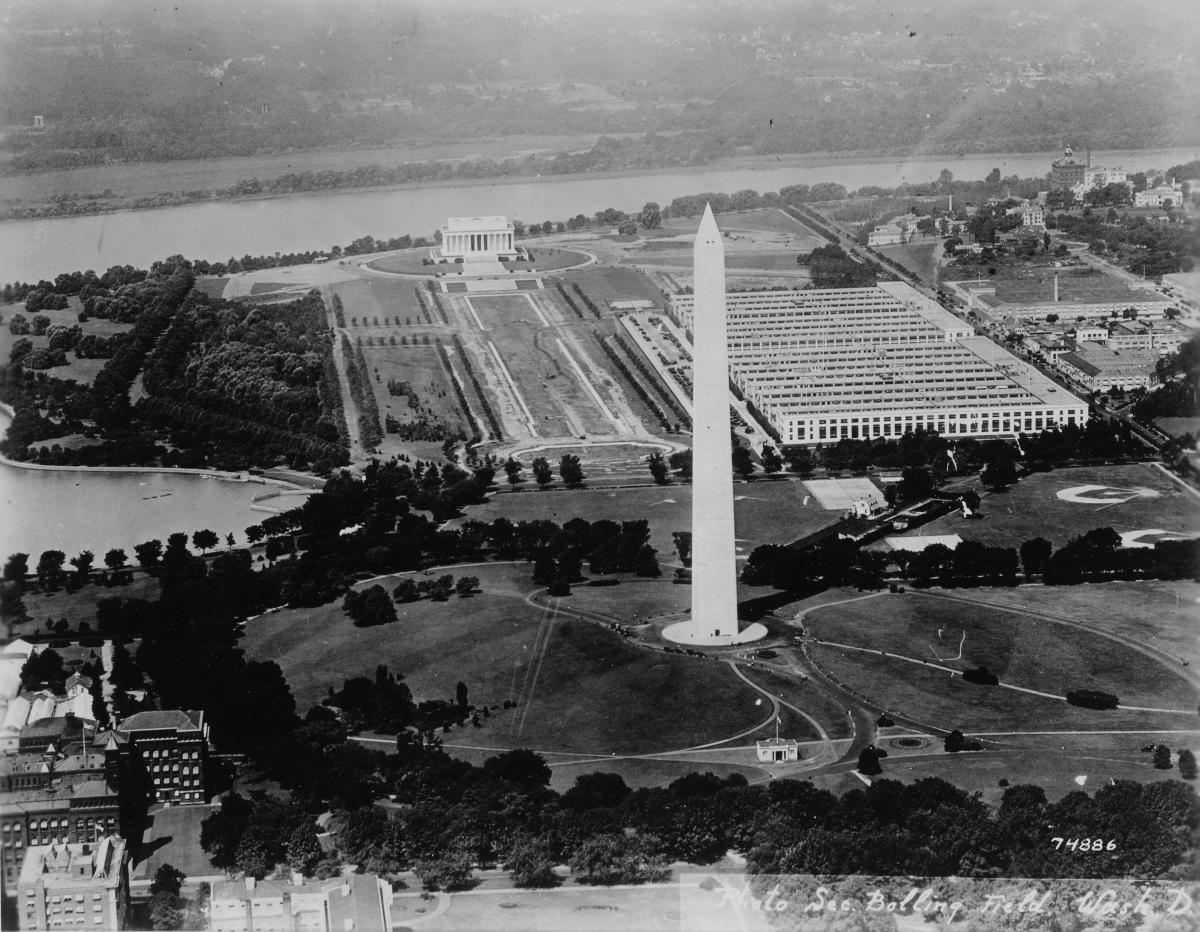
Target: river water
{"x": 72, "y": 510}
{"x": 33, "y": 249}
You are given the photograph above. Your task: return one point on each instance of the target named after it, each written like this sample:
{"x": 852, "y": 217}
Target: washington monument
{"x": 714, "y": 619}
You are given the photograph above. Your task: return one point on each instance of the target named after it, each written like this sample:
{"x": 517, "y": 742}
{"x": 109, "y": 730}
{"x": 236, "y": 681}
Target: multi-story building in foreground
{"x": 823, "y": 365}
{"x": 358, "y": 902}
{"x": 74, "y": 886}
{"x": 61, "y": 787}
{"x": 170, "y": 750}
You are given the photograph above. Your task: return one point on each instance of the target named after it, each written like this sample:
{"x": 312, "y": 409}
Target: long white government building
{"x": 822, "y": 365}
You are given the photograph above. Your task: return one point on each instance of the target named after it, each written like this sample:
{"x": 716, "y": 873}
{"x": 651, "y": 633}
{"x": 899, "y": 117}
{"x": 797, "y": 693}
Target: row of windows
{"x": 171, "y": 752}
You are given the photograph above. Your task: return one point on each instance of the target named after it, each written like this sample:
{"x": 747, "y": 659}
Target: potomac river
{"x": 71, "y": 510}
{"x": 217, "y": 230}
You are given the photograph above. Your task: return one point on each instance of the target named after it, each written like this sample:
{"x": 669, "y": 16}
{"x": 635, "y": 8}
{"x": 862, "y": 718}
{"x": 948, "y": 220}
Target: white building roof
{"x": 476, "y": 224}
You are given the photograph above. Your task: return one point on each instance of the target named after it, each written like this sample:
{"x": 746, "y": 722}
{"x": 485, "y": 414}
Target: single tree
{"x": 530, "y": 864}
{"x": 1162, "y": 757}
{"x": 999, "y": 473}
{"x": 303, "y": 851}
{"x": 50, "y": 565}
{"x": 743, "y": 461}
{"x": 1034, "y": 554}
{"x": 1187, "y": 764}
{"x": 513, "y": 469}
{"x": 116, "y": 559}
{"x": 16, "y": 567}
{"x": 542, "y": 473}
{"x": 167, "y": 879}
{"x": 466, "y": 585}
{"x": 570, "y": 470}
{"x": 149, "y": 553}
{"x": 771, "y": 460}
{"x": 659, "y": 469}
{"x": 83, "y": 565}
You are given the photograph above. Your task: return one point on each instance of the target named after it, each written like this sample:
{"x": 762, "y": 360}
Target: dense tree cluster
{"x": 46, "y": 407}
{"x": 1178, "y": 394}
{"x": 362, "y": 393}
{"x": 832, "y": 267}
{"x": 239, "y": 385}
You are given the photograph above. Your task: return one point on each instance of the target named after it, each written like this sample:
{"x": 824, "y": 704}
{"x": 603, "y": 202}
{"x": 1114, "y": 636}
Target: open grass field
{"x": 1033, "y": 508}
{"x": 1155, "y": 613}
{"x": 81, "y": 370}
{"x": 1055, "y": 771}
{"x": 764, "y": 512}
{"x": 578, "y": 686}
{"x": 394, "y": 303}
{"x": 917, "y": 257}
{"x": 422, "y": 368}
{"x": 1021, "y": 649}
{"x": 79, "y": 605}
{"x": 936, "y": 699}
{"x": 610, "y": 283}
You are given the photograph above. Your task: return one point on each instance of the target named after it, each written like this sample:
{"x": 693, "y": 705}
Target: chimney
{"x": 1056, "y": 287}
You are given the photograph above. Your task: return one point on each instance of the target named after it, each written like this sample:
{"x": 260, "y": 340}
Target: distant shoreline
{"x": 809, "y": 160}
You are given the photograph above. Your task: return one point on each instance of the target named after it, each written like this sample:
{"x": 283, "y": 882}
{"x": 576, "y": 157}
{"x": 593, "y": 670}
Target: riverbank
{"x": 57, "y": 200}
{"x": 8, "y": 413}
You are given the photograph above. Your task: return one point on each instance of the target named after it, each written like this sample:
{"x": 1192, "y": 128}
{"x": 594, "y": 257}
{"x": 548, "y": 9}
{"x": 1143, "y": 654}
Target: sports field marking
{"x": 1135, "y": 538}
{"x": 1103, "y": 494}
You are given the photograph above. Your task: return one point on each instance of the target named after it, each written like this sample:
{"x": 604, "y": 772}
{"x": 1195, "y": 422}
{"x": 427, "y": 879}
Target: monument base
{"x": 684, "y": 632}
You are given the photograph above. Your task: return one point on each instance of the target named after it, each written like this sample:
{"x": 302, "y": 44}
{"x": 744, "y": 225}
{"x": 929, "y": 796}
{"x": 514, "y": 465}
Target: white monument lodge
{"x": 470, "y": 238}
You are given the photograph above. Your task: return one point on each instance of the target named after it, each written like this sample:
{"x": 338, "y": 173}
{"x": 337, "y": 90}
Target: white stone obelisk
{"x": 714, "y": 572}
{"x": 714, "y": 616}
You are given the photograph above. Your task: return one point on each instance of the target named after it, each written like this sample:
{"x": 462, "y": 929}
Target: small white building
{"x": 470, "y": 238}
{"x": 778, "y": 750}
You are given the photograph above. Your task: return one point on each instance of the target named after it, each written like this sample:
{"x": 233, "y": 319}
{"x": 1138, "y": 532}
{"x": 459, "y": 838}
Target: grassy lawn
{"x": 173, "y": 837}
{"x": 607, "y": 283}
{"x": 1032, "y": 508}
{"x": 917, "y": 257}
{"x": 1156, "y": 613}
{"x": 79, "y": 605}
{"x": 1021, "y": 650}
{"x": 81, "y": 370}
{"x": 578, "y": 686}
{"x": 1054, "y": 771}
{"x": 422, "y": 368}
{"x": 394, "y": 303}
{"x": 935, "y": 698}
{"x": 765, "y": 512}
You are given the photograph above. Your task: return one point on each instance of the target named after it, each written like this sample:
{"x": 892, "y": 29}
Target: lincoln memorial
{"x": 470, "y": 238}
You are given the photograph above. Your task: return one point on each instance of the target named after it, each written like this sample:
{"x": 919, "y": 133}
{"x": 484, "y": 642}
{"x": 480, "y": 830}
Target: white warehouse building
{"x": 822, "y": 365}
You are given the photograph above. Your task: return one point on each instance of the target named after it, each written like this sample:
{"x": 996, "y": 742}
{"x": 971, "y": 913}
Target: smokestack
{"x": 1056, "y": 287}
{"x": 950, "y": 205}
